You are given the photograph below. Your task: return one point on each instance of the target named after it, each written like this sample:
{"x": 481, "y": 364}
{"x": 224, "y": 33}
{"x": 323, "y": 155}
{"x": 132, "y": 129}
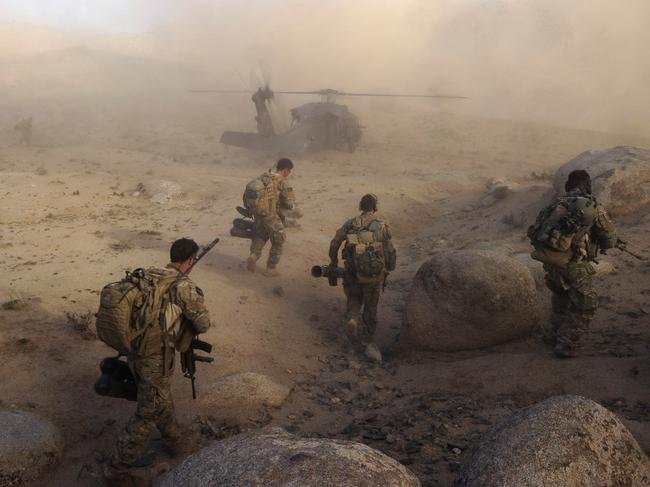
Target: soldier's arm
{"x": 190, "y": 299}
{"x": 389, "y": 250}
{"x": 287, "y": 197}
{"x": 336, "y": 242}
{"x": 603, "y": 231}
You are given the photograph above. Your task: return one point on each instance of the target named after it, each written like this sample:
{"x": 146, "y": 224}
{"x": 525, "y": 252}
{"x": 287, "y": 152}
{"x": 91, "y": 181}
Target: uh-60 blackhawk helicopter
{"x": 315, "y": 126}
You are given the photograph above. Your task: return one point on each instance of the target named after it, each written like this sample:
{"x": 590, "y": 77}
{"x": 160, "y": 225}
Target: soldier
{"x": 369, "y": 255}
{"x": 567, "y": 236}
{"x": 153, "y": 366}
{"x": 25, "y": 129}
{"x": 265, "y": 197}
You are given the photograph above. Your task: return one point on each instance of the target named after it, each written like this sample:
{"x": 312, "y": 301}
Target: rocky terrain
{"x": 105, "y": 187}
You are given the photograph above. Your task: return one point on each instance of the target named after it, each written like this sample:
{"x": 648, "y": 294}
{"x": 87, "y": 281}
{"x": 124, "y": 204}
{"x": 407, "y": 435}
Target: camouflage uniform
{"x": 154, "y": 366}
{"x": 271, "y": 226}
{"x": 574, "y": 300}
{"x": 362, "y": 298}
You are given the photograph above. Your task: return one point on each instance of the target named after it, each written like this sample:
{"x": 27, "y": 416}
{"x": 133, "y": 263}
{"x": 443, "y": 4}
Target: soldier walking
{"x": 369, "y": 255}
{"x": 153, "y": 364}
{"x": 265, "y": 198}
{"x": 567, "y": 236}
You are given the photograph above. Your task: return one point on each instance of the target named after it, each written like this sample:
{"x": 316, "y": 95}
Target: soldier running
{"x": 264, "y": 198}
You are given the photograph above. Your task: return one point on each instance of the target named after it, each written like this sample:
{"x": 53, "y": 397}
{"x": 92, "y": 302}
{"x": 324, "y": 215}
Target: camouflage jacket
{"x": 599, "y": 234}
{"x": 183, "y": 306}
{"x": 354, "y": 225}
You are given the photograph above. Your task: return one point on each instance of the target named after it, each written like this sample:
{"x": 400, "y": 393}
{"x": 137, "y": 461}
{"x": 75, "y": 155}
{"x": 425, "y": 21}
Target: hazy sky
{"x": 104, "y": 15}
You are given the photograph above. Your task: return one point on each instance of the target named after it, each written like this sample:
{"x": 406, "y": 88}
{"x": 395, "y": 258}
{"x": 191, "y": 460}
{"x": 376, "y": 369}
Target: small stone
{"x": 373, "y": 353}
{"x": 278, "y": 291}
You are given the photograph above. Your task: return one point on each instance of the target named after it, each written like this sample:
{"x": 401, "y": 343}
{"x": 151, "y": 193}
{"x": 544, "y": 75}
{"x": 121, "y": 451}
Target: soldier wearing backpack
{"x": 165, "y": 302}
{"x": 567, "y": 236}
{"x": 264, "y": 198}
{"x": 369, "y": 255}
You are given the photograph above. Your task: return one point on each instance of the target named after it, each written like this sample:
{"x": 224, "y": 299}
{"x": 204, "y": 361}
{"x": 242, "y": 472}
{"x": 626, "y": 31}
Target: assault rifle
{"x": 622, "y": 246}
{"x": 189, "y": 360}
{"x": 188, "y": 341}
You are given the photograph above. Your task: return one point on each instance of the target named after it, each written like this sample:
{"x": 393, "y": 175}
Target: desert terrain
{"x": 113, "y": 176}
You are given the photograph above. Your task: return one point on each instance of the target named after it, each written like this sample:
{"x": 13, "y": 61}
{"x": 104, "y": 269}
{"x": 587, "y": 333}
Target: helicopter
{"x": 315, "y": 126}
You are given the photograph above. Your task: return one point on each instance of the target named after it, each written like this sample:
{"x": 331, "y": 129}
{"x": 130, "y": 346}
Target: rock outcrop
{"x": 469, "y": 299}
{"x": 564, "y": 441}
{"x": 28, "y": 445}
{"x": 273, "y": 457}
{"x": 620, "y": 177}
{"x": 239, "y": 395}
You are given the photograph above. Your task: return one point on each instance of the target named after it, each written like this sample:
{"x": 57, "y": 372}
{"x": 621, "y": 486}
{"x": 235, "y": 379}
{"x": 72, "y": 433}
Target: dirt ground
{"x": 74, "y": 218}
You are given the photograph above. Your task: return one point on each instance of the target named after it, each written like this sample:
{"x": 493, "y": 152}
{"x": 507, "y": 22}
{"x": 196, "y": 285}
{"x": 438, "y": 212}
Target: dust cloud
{"x": 570, "y": 64}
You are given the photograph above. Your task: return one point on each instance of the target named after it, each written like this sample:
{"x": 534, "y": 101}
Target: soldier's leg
{"x": 153, "y": 409}
{"x": 275, "y": 229}
{"x": 354, "y": 296}
{"x": 560, "y": 304}
{"x": 582, "y": 308}
{"x": 257, "y": 244}
{"x": 370, "y": 303}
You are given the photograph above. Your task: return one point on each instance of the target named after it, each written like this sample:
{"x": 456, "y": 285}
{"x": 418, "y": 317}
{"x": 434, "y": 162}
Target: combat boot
{"x": 352, "y": 328}
{"x": 562, "y": 350}
{"x": 271, "y": 272}
{"x": 250, "y": 264}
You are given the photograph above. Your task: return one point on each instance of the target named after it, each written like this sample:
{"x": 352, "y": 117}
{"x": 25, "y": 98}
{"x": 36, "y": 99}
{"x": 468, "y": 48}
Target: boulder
{"x": 620, "y": 177}
{"x": 273, "y": 457}
{"x": 468, "y": 299}
{"x": 242, "y": 394}
{"x": 28, "y": 445}
{"x": 564, "y": 441}
{"x": 535, "y": 268}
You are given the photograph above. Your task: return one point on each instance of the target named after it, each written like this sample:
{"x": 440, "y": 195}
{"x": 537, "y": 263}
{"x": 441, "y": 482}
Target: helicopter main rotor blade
{"x": 398, "y": 95}
{"x": 340, "y": 93}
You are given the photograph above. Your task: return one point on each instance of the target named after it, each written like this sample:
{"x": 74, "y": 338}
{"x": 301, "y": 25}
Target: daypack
{"x": 562, "y": 229}
{"x": 128, "y": 308}
{"x": 260, "y": 195}
{"x": 366, "y": 254}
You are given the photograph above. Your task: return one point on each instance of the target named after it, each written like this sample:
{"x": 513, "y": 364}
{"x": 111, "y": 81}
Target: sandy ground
{"x": 70, "y": 223}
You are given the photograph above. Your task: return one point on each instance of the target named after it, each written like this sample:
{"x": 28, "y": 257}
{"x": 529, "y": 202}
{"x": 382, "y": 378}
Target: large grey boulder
{"x": 272, "y": 457}
{"x": 242, "y": 394}
{"x": 468, "y": 299}
{"x": 564, "y": 441}
{"x": 620, "y": 177}
{"x": 28, "y": 445}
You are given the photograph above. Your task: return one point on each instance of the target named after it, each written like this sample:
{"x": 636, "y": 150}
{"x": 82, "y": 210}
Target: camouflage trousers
{"x": 155, "y": 409}
{"x": 362, "y": 302}
{"x": 268, "y": 228}
{"x": 574, "y": 301}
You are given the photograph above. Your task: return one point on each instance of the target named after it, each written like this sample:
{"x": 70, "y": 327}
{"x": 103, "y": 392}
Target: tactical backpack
{"x": 128, "y": 308}
{"x": 260, "y": 195}
{"x": 365, "y": 253}
{"x": 561, "y": 229}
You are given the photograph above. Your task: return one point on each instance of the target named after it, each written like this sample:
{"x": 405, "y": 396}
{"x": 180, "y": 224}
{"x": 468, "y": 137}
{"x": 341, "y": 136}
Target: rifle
{"x": 622, "y": 246}
{"x": 189, "y": 359}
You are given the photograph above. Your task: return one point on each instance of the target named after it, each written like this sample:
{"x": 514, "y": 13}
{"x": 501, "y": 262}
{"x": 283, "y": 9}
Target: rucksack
{"x": 365, "y": 252}
{"x": 128, "y": 308}
{"x": 561, "y": 228}
{"x": 260, "y": 195}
